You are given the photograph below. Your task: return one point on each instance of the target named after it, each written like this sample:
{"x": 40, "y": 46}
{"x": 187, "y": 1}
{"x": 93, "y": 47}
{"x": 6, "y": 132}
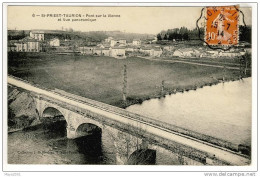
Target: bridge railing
{"x": 131, "y": 115}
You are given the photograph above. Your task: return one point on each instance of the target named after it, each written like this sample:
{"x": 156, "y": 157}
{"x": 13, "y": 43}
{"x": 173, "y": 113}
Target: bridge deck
{"x": 151, "y": 126}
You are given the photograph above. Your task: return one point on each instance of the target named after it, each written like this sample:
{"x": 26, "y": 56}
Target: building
{"x": 55, "y": 42}
{"x": 108, "y": 39}
{"x": 177, "y": 53}
{"x": 137, "y": 42}
{"x": 153, "y": 52}
{"x": 114, "y": 42}
{"x": 19, "y": 46}
{"x": 86, "y": 50}
{"x": 129, "y": 49}
{"x": 168, "y": 48}
{"x": 146, "y": 50}
{"x": 117, "y": 52}
{"x": 105, "y": 51}
{"x": 33, "y": 45}
{"x": 229, "y": 54}
{"x": 156, "y": 52}
{"x": 97, "y": 51}
{"x": 38, "y": 35}
{"x": 26, "y": 44}
{"x": 11, "y": 48}
{"x": 186, "y": 52}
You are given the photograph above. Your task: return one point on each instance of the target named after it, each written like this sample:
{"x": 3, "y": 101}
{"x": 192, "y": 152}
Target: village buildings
{"x": 136, "y": 42}
{"x": 118, "y": 48}
{"x": 26, "y": 44}
{"x": 117, "y": 52}
{"x": 55, "y": 42}
{"x": 114, "y": 42}
{"x": 38, "y": 35}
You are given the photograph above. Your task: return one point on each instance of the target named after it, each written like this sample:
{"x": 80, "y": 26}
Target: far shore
{"x": 101, "y": 78}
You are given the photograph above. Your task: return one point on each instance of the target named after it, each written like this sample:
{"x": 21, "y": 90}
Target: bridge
{"x": 130, "y": 132}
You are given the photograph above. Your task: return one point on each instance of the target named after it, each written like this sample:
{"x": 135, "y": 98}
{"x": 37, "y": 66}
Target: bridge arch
{"x": 85, "y": 129}
{"x": 142, "y": 157}
{"x": 54, "y": 121}
{"x": 52, "y": 113}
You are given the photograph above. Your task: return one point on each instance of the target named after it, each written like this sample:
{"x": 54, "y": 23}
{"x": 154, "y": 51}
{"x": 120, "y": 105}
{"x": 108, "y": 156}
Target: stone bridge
{"x": 131, "y": 134}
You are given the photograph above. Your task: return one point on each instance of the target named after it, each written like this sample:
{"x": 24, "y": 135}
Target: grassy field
{"x": 101, "y": 78}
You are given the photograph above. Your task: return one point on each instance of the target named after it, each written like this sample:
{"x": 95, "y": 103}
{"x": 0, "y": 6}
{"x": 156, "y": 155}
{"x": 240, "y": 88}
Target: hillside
{"x": 94, "y": 36}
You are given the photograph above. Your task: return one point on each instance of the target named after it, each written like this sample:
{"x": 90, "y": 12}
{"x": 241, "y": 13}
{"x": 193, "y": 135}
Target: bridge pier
{"x": 130, "y": 149}
{"x": 71, "y": 133}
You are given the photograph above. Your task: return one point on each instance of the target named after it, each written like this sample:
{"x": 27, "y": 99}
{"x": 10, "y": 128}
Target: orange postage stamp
{"x": 222, "y": 25}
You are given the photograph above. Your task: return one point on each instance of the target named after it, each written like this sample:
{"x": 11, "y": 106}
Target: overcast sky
{"x": 132, "y": 19}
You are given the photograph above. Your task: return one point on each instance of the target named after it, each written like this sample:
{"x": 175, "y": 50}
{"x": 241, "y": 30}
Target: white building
{"x": 137, "y": 42}
{"x": 38, "y": 35}
{"x": 55, "y": 42}
{"x": 105, "y": 52}
{"x": 117, "y": 52}
{"x": 27, "y": 44}
{"x": 108, "y": 39}
{"x": 168, "y": 48}
{"x": 114, "y": 42}
{"x": 156, "y": 52}
{"x": 186, "y": 52}
{"x": 229, "y": 54}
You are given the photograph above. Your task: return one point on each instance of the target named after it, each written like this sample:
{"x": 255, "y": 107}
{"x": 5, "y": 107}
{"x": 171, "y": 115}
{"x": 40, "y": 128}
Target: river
{"x": 223, "y": 111}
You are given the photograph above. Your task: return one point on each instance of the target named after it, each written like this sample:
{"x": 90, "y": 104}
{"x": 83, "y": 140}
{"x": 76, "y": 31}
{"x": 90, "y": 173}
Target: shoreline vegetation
{"x": 101, "y": 78}
{"x": 133, "y": 100}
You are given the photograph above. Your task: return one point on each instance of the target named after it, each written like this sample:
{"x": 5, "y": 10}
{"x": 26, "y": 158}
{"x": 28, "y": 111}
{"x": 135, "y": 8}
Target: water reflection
{"x": 222, "y": 111}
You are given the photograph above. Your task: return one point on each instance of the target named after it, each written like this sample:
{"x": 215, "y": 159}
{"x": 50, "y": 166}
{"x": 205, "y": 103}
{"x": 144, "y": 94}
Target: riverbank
{"x": 222, "y": 112}
{"x": 101, "y": 78}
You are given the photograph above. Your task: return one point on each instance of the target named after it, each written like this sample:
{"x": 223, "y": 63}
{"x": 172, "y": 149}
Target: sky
{"x": 149, "y": 20}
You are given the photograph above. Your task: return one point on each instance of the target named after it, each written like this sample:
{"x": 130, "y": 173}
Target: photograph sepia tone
{"x": 129, "y": 85}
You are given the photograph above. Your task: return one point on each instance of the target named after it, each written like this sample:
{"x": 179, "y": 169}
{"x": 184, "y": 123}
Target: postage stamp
{"x": 222, "y": 25}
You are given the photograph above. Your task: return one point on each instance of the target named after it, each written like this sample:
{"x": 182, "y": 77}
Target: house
{"x": 38, "y": 35}
{"x": 129, "y": 49}
{"x": 229, "y": 54}
{"x": 55, "y": 42}
{"x": 177, "y": 53}
{"x": 105, "y": 51}
{"x": 114, "y": 42}
{"x": 146, "y": 50}
{"x": 32, "y": 45}
{"x": 137, "y": 42}
{"x": 26, "y": 44}
{"x": 97, "y": 51}
{"x": 213, "y": 53}
{"x": 186, "y": 52}
{"x": 156, "y": 52}
{"x": 117, "y": 52}
{"x": 19, "y": 47}
{"x": 108, "y": 39}
{"x": 168, "y": 48}
{"x": 152, "y": 51}
{"x": 86, "y": 50}
{"x": 11, "y": 48}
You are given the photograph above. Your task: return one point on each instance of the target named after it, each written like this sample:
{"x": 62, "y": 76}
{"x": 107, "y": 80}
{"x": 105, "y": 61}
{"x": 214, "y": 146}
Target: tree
{"x": 159, "y": 38}
{"x": 165, "y": 37}
{"x": 185, "y": 36}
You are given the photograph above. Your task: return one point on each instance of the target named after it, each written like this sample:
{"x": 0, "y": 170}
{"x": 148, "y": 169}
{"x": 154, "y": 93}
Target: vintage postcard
{"x": 156, "y": 85}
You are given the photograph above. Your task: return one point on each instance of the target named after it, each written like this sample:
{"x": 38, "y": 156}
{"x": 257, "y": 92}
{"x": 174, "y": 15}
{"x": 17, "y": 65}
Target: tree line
{"x": 184, "y": 33}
